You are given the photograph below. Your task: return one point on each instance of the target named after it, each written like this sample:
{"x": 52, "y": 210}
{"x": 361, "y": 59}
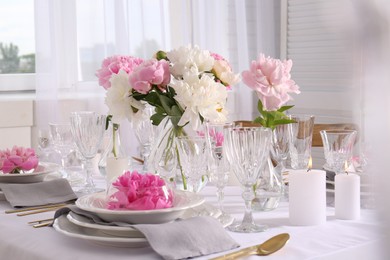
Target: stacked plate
{"x": 74, "y": 225}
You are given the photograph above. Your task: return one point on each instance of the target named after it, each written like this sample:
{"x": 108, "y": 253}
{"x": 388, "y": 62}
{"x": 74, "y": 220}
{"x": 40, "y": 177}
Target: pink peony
{"x": 112, "y": 65}
{"x": 271, "y": 80}
{"x": 150, "y": 72}
{"x": 140, "y": 192}
{"x": 18, "y": 159}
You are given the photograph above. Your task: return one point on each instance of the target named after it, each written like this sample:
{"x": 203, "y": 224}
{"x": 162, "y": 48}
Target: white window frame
{"x": 17, "y": 82}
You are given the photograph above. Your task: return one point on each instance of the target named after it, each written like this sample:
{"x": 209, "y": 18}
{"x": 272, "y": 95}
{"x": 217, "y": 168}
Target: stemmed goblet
{"x": 247, "y": 149}
{"x": 88, "y": 130}
{"x": 218, "y": 166}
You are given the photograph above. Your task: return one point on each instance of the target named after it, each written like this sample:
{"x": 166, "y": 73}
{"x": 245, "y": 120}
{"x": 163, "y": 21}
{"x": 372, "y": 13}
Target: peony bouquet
{"x": 186, "y": 86}
{"x": 136, "y": 191}
{"x": 18, "y": 160}
{"x": 271, "y": 79}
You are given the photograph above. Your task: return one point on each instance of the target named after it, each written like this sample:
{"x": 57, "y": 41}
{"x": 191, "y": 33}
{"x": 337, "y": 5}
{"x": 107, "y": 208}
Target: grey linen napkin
{"x": 40, "y": 193}
{"x": 180, "y": 239}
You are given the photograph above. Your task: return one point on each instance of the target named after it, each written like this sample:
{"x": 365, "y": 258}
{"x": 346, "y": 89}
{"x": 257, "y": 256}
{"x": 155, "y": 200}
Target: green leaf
{"x": 167, "y": 103}
{"x": 157, "y": 118}
{"x": 153, "y": 99}
{"x": 284, "y": 108}
{"x": 259, "y": 120}
{"x": 283, "y": 121}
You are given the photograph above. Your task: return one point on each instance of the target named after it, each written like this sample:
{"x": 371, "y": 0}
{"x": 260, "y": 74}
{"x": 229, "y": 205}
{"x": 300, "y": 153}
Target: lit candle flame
{"x": 310, "y": 164}
{"x": 346, "y": 167}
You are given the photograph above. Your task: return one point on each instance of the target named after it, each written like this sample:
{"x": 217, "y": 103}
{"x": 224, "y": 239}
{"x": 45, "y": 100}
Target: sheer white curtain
{"x": 74, "y": 36}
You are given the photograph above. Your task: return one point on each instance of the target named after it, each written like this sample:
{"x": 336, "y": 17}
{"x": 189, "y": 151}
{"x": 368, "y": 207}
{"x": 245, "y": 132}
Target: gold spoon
{"x": 268, "y": 247}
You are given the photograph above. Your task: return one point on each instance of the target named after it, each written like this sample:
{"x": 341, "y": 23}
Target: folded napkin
{"x": 180, "y": 239}
{"x": 40, "y": 193}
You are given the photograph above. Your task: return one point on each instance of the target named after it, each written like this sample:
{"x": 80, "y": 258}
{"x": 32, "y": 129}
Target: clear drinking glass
{"x": 44, "y": 144}
{"x": 88, "y": 130}
{"x": 280, "y": 146}
{"x": 218, "y": 166}
{"x": 300, "y": 139}
{"x": 193, "y": 155}
{"x": 166, "y": 167}
{"x": 63, "y": 143}
{"x": 247, "y": 150}
{"x": 338, "y": 148}
{"x": 144, "y": 131}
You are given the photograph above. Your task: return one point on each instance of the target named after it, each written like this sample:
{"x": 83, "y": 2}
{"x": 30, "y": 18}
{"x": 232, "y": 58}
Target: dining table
{"x": 335, "y": 239}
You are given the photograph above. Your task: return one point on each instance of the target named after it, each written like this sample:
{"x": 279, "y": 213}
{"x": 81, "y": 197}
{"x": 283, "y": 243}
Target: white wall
{"x": 16, "y": 120}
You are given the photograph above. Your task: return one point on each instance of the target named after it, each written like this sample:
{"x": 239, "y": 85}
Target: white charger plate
{"x": 37, "y": 175}
{"x": 64, "y": 226}
{"x": 110, "y": 230}
{"x": 183, "y": 200}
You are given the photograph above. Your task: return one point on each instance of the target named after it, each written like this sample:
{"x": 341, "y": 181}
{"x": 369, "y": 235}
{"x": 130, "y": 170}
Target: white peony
{"x": 186, "y": 58}
{"x": 119, "y": 101}
{"x": 200, "y": 96}
{"x": 224, "y": 72}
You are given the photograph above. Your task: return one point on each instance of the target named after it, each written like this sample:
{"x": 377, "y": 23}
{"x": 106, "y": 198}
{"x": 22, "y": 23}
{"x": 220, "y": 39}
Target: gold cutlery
{"x": 40, "y": 221}
{"x": 268, "y": 247}
{"x": 38, "y": 211}
{"x": 35, "y": 208}
{"x": 43, "y": 224}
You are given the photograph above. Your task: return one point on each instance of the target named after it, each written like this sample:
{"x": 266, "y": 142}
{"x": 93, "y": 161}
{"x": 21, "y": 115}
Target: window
{"x": 17, "y": 45}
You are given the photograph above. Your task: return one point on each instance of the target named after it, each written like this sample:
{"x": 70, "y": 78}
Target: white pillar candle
{"x": 307, "y": 197}
{"x": 115, "y": 167}
{"x": 347, "y": 196}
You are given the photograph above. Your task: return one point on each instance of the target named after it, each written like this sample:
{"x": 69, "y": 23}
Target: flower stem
{"x": 114, "y": 129}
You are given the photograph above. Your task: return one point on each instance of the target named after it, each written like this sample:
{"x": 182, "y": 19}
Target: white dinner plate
{"x": 110, "y": 230}
{"x": 64, "y": 226}
{"x": 182, "y": 201}
{"x": 37, "y": 175}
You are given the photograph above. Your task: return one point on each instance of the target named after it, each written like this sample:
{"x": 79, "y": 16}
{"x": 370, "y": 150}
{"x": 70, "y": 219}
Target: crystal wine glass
{"x": 338, "y": 148}
{"x": 247, "y": 149}
{"x": 62, "y": 140}
{"x": 218, "y": 166}
{"x": 88, "y": 130}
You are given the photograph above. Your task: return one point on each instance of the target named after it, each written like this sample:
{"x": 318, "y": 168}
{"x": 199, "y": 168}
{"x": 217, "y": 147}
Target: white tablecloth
{"x": 337, "y": 239}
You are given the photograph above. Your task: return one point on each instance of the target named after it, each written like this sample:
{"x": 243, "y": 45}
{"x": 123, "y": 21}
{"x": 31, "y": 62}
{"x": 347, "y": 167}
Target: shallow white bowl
{"x": 183, "y": 200}
{"x": 37, "y": 175}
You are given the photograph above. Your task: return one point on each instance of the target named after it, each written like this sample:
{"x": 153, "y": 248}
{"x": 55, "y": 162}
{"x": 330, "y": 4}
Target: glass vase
{"x": 269, "y": 189}
{"x": 164, "y": 158}
{"x": 114, "y": 160}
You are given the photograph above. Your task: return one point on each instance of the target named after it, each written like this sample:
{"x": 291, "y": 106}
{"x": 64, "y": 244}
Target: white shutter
{"x": 316, "y": 38}
{"x": 320, "y": 50}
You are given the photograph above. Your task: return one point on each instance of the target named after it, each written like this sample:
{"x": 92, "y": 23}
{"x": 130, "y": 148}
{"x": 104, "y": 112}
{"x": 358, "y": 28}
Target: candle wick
{"x": 308, "y": 169}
